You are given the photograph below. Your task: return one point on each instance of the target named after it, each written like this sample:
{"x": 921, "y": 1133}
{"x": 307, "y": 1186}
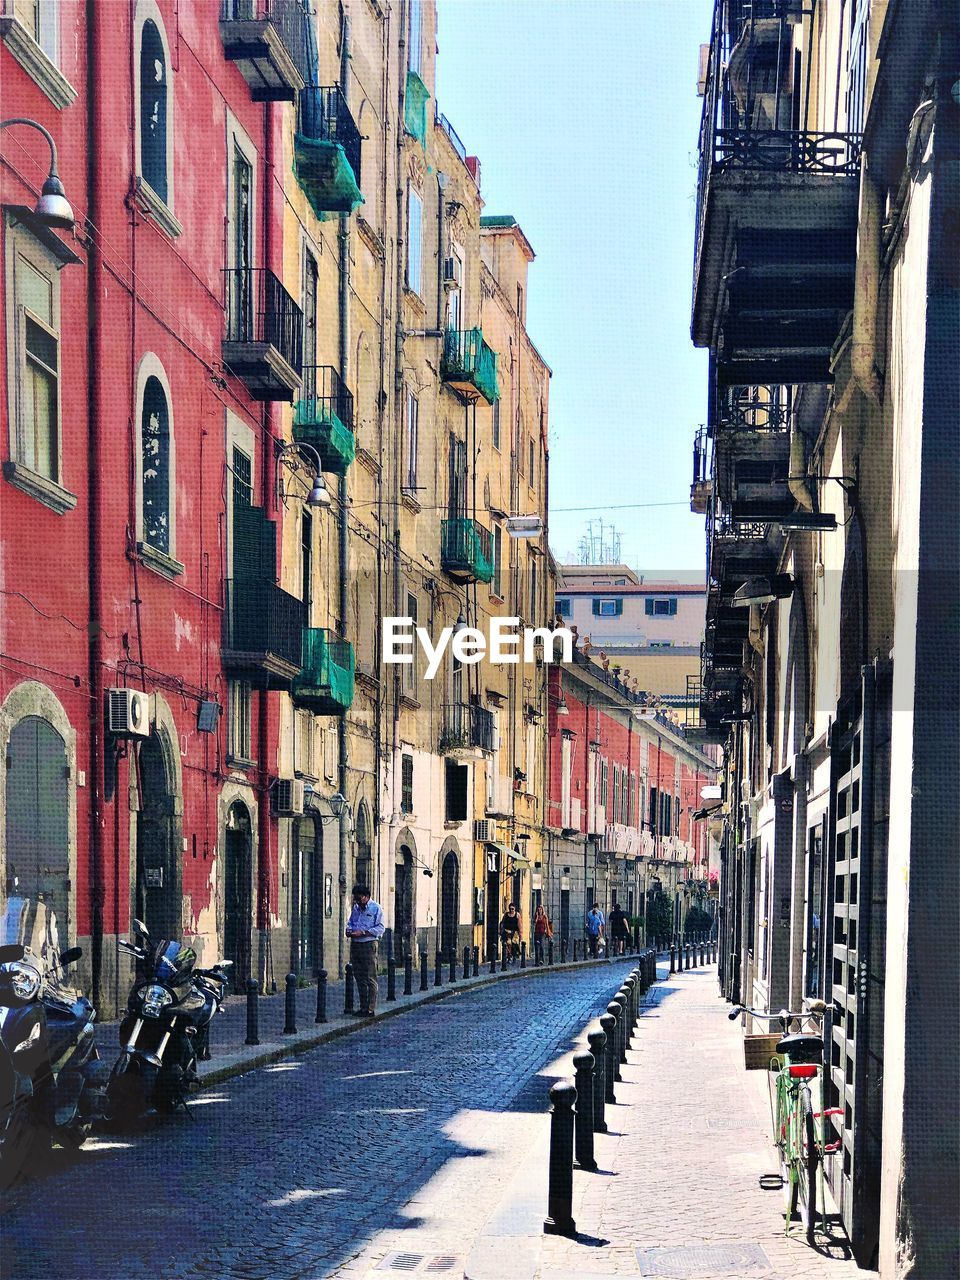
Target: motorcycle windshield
{"x": 173, "y": 963}
{"x": 32, "y": 925}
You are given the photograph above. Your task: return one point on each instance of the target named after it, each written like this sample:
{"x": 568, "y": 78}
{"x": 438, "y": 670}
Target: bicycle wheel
{"x": 807, "y": 1167}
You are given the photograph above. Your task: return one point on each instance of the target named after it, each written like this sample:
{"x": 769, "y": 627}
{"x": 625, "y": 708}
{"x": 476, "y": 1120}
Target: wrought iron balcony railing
{"x": 701, "y": 489}
{"x": 325, "y": 682}
{"x": 469, "y": 365}
{"x": 323, "y": 417}
{"x": 452, "y": 134}
{"x": 758, "y": 408}
{"x": 466, "y": 549}
{"x": 268, "y": 40}
{"x": 264, "y": 342}
{"x": 262, "y": 633}
{"x": 466, "y": 727}
{"x": 327, "y": 151}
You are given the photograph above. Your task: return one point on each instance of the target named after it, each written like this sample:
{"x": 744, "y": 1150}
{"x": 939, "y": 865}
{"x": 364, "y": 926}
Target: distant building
{"x": 655, "y": 626}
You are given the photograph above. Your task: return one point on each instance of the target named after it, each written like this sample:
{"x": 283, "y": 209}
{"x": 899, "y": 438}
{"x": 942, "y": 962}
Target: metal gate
{"x": 855, "y": 975}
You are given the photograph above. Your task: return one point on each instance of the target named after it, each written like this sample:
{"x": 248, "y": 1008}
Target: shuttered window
{"x": 406, "y": 784}
{"x": 37, "y": 850}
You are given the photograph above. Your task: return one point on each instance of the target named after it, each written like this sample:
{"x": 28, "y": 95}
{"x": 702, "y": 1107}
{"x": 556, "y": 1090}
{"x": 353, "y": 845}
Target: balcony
{"x": 752, "y": 452}
{"x": 776, "y": 208}
{"x": 323, "y": 418}
{"x": 264, "y": 342}
{"x": 468, "y": 366}
{"x": 701, "y": 490}
{"x": 324, "y": 684}
{"x": 467, "y": 730}
{"x": 326, "y": 152}
{"x": 262, "y": 633}
{"x": 267, "y": 39}
{"x": 466, "y": 550}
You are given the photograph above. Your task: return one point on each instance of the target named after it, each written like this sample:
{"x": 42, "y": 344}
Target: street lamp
{"x": 319, "y": 495}
{"x": 53, "y": 208}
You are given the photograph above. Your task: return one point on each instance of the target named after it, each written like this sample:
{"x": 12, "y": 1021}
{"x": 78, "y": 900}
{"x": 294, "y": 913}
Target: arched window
{"x": 155, "y": 461}
{"x": 153, "y": 109}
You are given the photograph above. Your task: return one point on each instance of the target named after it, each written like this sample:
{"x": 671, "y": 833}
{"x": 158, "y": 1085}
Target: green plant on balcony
{"x": 326, "y": 680}
{"x": 468, "y": 364}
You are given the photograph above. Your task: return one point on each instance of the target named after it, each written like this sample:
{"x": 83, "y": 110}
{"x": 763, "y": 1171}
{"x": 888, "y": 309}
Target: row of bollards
{"x": 471, "y": 967}
{"x": 696, "y": 952}
{"x": 577, "y": 1107}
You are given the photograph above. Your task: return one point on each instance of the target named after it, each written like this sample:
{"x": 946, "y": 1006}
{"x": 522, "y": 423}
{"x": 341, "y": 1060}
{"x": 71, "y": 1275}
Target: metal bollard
{"x": 348, "y": 988}
{"x": 523, "y": 955}
{"x": 321, "y": 996}
{"x": 559, "y": 1220}
{"x": 493, "y": 961}
{"x": 597, "y": 1040}
{"x": 693, "y": 955}
{"x": 504, "y": 956}
{"x": 438, "y": 970}
{"x": 476, "y": 962}
{"x": 563, "y": 951}
{"x": 633, "y": 986}
{"x": 549, "y": 951}
{"x": 686, "y": 956}
{"x": 583, "y": 1065}
{"x": 290, "y": 1006}
{"x": 576, "y": 945}
{"x": 453, "y": 964}
{"x": 609, "y": 1024}
{"x": 391, "y": 978}
{"x": 673, "y": 958}
{"x": 424, "y": 971}
{"x": 616, "y": 1039}
{"x": 466, "y": 962}
{"x": 408, "y": 974}
{"x": 253, "y": 1012}
{"x": 621, "y": 998}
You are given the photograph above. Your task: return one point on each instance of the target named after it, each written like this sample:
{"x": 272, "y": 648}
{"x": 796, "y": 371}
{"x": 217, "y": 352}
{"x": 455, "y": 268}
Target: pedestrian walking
{"x": 619, "y": 930}
{"x": 542, "y": 930}
{"x": 595, "y": 929}
{"x": 510, "y": 927}
{"x": 364, "y": 928}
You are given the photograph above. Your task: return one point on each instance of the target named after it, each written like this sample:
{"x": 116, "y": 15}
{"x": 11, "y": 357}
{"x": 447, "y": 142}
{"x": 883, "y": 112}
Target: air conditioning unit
{"x": 485, "y": 830}
{"x": 288, "y": 797}
{"x": 128, "y": 713}
{"x": 453, "y": 272}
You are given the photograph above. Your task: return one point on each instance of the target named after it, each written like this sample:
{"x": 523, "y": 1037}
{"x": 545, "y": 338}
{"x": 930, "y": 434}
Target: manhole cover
{"x": 687, "y": 1262}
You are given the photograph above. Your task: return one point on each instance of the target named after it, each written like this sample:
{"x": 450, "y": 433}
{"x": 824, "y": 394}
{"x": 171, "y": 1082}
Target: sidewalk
{"x": 231, "y": 1056}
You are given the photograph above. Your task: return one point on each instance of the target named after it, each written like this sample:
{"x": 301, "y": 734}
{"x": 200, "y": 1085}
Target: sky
{"x": 585, "y": 118}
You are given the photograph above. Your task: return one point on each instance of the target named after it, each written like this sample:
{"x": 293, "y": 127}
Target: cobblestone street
{"x": 420, "y": 1146}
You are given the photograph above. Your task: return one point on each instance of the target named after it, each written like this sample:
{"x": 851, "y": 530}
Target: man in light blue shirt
{"x": 595, "y": 923}
{"x": 364, "y": 928}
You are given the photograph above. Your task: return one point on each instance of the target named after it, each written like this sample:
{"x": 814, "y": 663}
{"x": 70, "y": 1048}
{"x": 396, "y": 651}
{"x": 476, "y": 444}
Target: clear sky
{"x": 585, "y": 118}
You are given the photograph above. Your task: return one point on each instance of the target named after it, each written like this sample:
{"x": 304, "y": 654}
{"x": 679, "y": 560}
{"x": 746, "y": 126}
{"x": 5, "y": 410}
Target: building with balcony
{"x": 825, "y": 231}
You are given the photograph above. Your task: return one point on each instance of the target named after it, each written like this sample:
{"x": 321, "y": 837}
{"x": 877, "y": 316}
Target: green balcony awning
{"x": 326, "y": 176}
{"x": 316, "y": 424}
{"x": 415, "y": 99}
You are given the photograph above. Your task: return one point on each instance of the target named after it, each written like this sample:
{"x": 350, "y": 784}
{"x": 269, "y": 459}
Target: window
{"x": 415, "y": 48}
{"x": 39, "y": 20}
{"x": 155, "y": 468}
{"x": 406, "y": 783}
{"x": 521, "y": 435}
{"x": 330, "y": 753}
{"x": 531, "y": 758}
{"x": 414, "y": 241}
{"x": 496, "y": 424}
{"x": 566, "y": 762}
{"x": 531, "y": 474}
{"x": 34, "y": 360}
{"x": 604, "y": 783}
{"x": 653, "y": 811}
{"x": 534, "y": 613}
{"x": 305, "y": 743}
{"x": 410, "y": 670}
{"x": 661, "y": 644}
{"x": 608, "y": 608}
{"x": 663, "y": 608}
{"x": 496, "y": 583}
{"x": 411, "y": 443}
{"x": 153, "y": 110}
{"x": 239, "y": 746}
{"x": 457, "y": 778}
{"x": 306, "y": 561}
{"x": 564, "y": 609}
{"x": 30, "y": 31}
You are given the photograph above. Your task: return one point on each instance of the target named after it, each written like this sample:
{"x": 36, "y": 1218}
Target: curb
{"x": 304, "y": 1042}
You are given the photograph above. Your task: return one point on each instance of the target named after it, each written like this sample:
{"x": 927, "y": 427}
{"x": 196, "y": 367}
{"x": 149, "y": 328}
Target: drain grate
{"x": 690, "y": 1262}
{"x": 443, "y": 1262}
{"x": 421, "y": 1263}
{"x": 401, "y": 1262}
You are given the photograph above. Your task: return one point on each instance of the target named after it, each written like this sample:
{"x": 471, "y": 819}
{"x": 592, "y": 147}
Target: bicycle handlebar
{"x": 816, "y": 1010}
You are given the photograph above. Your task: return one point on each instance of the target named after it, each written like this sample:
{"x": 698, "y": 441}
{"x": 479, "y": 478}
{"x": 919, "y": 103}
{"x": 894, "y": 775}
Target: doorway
{"x": 492, "y": 908}
{"x": 449, "y": 899}
{"x": 238, "y": 892}
{"x": 157, "y": 883}
{"x": 565, "y": 915}
{"x": 307, "y": 952}
{"x": 403, "y": 903}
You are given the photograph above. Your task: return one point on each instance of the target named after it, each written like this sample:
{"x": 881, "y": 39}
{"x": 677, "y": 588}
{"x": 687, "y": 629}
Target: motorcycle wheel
{"x": 72, "y": 1137}
{"x": 126, "y": 1099}
{"x": 16, "y": 1143}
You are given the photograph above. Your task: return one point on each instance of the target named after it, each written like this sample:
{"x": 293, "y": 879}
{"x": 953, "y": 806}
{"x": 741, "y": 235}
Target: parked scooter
{"x": 51, "y": 1079}
{"x": 166, "y": 1029}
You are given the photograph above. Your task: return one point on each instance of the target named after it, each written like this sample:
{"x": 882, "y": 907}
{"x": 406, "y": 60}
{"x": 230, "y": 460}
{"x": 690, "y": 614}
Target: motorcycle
{"x": 51, "y": 1079}
{"x": 166, "y": 1029}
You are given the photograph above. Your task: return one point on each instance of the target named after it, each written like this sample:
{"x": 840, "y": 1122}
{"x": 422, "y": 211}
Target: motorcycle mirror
{"x": 225, "y": 964}
{"x": 9, "y": 955}
{"x": 70, "y": 956}
{"x": 140, "y": 929}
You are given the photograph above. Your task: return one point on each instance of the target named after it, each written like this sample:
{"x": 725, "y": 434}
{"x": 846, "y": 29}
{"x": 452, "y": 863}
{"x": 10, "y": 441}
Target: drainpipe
{"x": 866, "y": 294}
{"x": 94, "y": 540}
{"x": 343, "y": 530}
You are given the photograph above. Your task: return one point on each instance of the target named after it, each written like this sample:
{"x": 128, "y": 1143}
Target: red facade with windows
{"x": 115, "y": 495}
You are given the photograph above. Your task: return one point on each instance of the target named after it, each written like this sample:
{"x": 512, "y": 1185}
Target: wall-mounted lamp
{"x": 52, "y": 209}
{"x": 763, "y": 589}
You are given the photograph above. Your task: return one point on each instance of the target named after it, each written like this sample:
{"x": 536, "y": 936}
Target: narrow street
{"x": 420, "y": 1145}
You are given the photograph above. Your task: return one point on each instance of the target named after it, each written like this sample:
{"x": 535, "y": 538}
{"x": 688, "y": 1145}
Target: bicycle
{"x": 798, "y": 1130}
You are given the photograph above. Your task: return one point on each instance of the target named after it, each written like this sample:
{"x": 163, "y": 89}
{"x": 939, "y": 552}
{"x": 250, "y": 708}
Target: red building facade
{"x": 139, "y": 457}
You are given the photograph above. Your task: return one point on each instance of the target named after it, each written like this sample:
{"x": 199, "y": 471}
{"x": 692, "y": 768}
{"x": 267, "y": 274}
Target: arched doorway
{"x": 157, "y": 883}
{"x": 403, "y": 902}
{"x": 238, "y": 891}
{"x": 36, "y": 830}
{"x": 306, "y": 907}
{"x": 449, "y": 903}
{"x": 362, "y": 867}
